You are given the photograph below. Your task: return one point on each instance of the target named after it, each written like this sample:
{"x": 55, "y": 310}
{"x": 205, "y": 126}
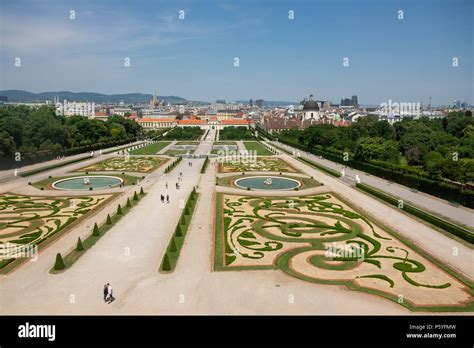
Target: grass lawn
{"x": 151, "y": 149}
{"x": 47, "y": 183}
{"x": 187, "y": 143}
{"x": 225, "y": 143}
{"x": 178, "y": 152}
{"x": 259, "y": 148}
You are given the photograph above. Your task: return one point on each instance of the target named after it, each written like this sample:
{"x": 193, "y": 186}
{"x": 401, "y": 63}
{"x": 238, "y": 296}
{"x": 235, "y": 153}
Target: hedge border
{"x": 173, "y": 250}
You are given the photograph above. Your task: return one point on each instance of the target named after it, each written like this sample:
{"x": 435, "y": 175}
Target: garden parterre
{"x": 321, "y": 239}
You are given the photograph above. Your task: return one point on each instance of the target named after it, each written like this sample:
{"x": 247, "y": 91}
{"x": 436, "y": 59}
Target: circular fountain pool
{"x": 81, "y": 183}
{"x": 267, "y": 183}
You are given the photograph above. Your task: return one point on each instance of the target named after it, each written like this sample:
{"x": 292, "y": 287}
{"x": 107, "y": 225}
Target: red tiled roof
{"x": 100, "y": 113}
{"x": 191, "y": 122}
{"x": 235, "y": 122}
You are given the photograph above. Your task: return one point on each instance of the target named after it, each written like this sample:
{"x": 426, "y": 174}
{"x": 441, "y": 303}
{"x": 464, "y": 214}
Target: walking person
{"x": 166, "y": 184}
{"x": 110, "y": 294}
{"x": 167, "y": 198}
{"x": 106, "y": 292}
{"x": 162, "y": 198}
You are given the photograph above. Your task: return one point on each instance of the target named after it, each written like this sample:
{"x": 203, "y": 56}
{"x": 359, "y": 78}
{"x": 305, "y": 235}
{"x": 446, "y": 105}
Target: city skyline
{"x": 405, "y": 60}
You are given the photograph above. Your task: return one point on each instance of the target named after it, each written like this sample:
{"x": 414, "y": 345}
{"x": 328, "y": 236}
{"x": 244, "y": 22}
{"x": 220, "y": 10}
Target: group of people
{"x": 108, "y": 293}
{"x": 165, "y": 199}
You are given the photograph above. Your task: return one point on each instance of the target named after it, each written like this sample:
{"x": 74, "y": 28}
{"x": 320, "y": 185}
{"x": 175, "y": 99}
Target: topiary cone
{"x": 59, "y": 264}
{"x": 109, "y": 220}
{"x": 173, "y": 245}
{"x": 141, "y": 191}
{"x": 165, "y": 266}
{"x": 128, "y": 205}
{"x": 183, "y": 220}
{"x": 135, "y": 196}
{"x": 186, "y": 211}
{"x": 95, "y": 231}
{"x": 79, "y": 246}
{"x": 119, "y": 210}
{"x": 179, "y": 233}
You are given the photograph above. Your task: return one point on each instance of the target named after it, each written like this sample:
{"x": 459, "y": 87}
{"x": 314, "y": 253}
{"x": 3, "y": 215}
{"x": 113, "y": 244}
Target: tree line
{"x": 30, "y": 130}
{"x": 438, "y": 148}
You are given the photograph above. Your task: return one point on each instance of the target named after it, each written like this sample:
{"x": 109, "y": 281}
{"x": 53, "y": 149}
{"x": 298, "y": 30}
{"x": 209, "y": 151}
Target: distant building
{"x": 220, "y": 101}
{"x": 354, "y": 101}
{"x": 311, "y": 109}
{"x": 260, "y": 103}
{"x": 251, "y": 102}
{"x": 345, "y": 102}
{"x": 68, "y": 108}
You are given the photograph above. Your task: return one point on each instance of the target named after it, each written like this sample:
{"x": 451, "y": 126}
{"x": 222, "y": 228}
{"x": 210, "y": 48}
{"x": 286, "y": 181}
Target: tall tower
{"x": 154, "y": 101}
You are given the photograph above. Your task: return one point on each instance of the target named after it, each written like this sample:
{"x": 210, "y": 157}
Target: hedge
{"x": 459, "y": 231}
{"x": 204, "y": 165}
{"x": 170, "y": 258}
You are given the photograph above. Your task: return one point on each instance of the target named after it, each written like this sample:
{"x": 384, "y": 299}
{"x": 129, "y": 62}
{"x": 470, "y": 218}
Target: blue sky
{"x": 404, "y": 60}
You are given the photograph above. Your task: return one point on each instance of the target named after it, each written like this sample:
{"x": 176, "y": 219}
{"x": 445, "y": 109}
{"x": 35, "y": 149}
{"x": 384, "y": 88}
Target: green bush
{"x": 95, "y": 230}
{"x": 178, "y": 232}
{"x": 119, "y": 210}
{"x": 135, "y": 196}
{"x": 173, "y": 245}
{"x": 59, "y": 264}
{"x": 128, "y": 205}
{"x": 141, "y": 191}
{"x": 79, "y": 246}
{"x": 109, "y": 220}
{"x": 165, "y": 266}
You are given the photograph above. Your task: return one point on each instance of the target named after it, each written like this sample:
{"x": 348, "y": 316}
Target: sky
{"x": 403, "y": 60}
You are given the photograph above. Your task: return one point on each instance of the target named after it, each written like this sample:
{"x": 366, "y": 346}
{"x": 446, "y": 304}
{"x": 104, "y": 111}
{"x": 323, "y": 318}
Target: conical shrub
{"x": 183, "y": 220}
{"x": 128, "y": 205}
{"x": 165, "y": 266}
{"x": 95, "y": 231}
{"x": 109, "y": 220}
{"x": 173, "y": 245}
{"x": 119, "y": 210}
{"x": 179, "y": 232}
{"x": 141, "y": 191}
{"x": 135, "y": 196}
{"x": 186, "y": 211}
{"x": 79, "y": 246}
{"x": 59, "y": 264}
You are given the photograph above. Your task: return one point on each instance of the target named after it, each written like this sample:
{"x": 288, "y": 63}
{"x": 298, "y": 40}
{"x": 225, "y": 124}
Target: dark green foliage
{"x": 165, "y": 266}
{"x": 135, "y": 196}
{"x": 128, "y": 205}
{"x": 184, "y": 133}
{"x": 95, "y": 230}
{"x": 173, "y": 245}
{"x": 59, "y": 264}
{"x": 109, "y": 220}
{"x": 119, "y": 210}
{"x": 79, "y": 246}
{"x": 179, "y": 232}
{"x": 141, "y": 191}
{"x": 204, "y": 165}
{"x": 236, "y": 133}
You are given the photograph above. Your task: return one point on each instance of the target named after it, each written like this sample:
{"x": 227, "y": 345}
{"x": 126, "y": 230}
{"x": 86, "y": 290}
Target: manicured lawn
{"x": 259, "y": 148}
{"x": 151, "y": 149}
{"x": 178, "y": 152}
{"x": 187, "y": 143}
